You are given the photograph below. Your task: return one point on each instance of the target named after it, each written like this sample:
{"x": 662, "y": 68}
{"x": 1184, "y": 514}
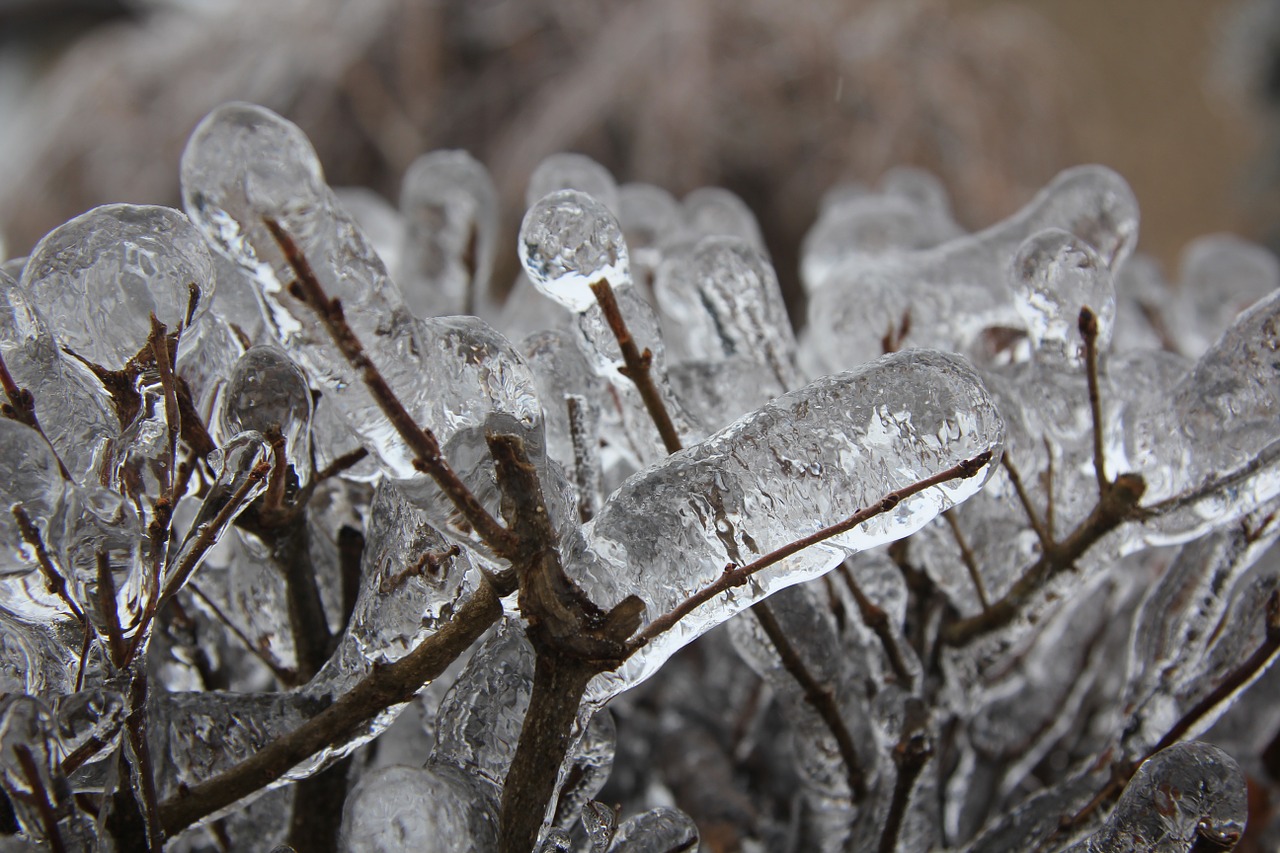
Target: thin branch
{"x": 911, "y": 754}
{"x": 878, "y": 621}
{"x": 110, "y": 612}
{"x": 54, "y": 581}
{"x": 380, "y": 689}
{"x": 1115, "y": 507}
{"x": 735, "y": 576}
{"x": 210, "y": 534}
{"x": 22, "y": 408}
{"x": 820, "y": 697}
{"x": 966, "y": 557}
{"x": 585, "y": 468}
{"x": 286, "y": 676}
{"x": 1088, "y": 325}
{"x": 40, "y": 795}
{"x": 136, "y": 725}
{"x": 420, "y": 440}
{"x": 1033, "y": 517}
{"x": 342, "y": 463}
{"x": 159, "y": 343}
{"x": 637, "y": 366}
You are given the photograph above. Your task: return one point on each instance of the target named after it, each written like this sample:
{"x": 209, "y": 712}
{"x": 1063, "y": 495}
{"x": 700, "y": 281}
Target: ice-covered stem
{"x": 878, "y": 621}
{"x": 735, "y": 576}
{"x": 429, "y": 460}
{"x": 1118, "y": 503}
{"x": 573, "y": 639}
{"x": 966, "y": 557}
{"x": 54, "y": 581}
{"x": 383, "y": 687}
{"x": 22, "y": 408}
{"x": 136, "y": 725}
{"x": 910, "y": 755}
{"x": 1042, "y": 531}
{"x": 821, "y": 699}
{"x": 40, "y": 798}
{"x": 284, "y": 675}
{"x": 636, "y": 365}
{"x": 1236, "y": 680}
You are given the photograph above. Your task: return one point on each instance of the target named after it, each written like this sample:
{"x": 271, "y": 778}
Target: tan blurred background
{"x": 775, "y": 100}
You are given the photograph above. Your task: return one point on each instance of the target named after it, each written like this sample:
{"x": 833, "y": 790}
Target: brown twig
{"x": 54, "y": 581}
{"x": 820, "y": 697}
{"x": 585, "y": 473}
{"x": 878, "y": 621}
{"x": 22, "y": 408}
{"x": 966, "y": 557}
{"x": 1116, "y": 506}
{"x": 383, "y": 687}
{"x": 911, "y": 754}
{"x": 735, "y": 576}
{"x": 307, "y": 289}
{"x": 1033, "y": 518}
{"x": 286, "y": 676}
{"x": 636, "y": 365}
{"x": 342, "y": 463}
{"x": 136, "y": 725}
{"x": 1088, "y": 325}
{"x": 40, "y": 798}
{"x": 110, "y": 612}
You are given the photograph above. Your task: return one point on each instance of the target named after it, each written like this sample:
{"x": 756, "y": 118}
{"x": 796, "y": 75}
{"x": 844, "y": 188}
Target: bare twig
{"x": 966, "y": 557}
{"x": 735, "y": 576}
{"x": 1042, "y": 532}
{"x": 878, "y": 621}
{"x": 637, "y": 365}
{"x": 1088, "y": 325}
{"x": 1117, "y": 505}
{"x": 911, "y": 754}
{"x": 287, "y": 677}
{"x": 420, "y": 440}
{"x": 342, "y": 463}
{"x": 40, "y": 798}
{"x": 110, "y": 612}
{"x": 136, "y": 725}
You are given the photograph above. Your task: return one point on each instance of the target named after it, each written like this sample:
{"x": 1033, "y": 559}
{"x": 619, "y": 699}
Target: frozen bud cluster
{"x": 293, "y": 545}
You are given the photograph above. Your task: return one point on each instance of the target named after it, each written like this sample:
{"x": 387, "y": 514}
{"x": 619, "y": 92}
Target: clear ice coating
{"x": 1187, "y": 796}
{"x": 450, "y": 208}
{"x": 451, "y": 373}
{"x": 568, "y": 171}
{"x": 434, "y": 809}
{"x": 569, "y": 241}
{"x": 100, "y": 277}
{"x": 1055, "y": 275}
{"x": 267, "y": 393}
{"x": 954, "y": 296}
{"x": 29, "y": 478}
{"x": 807, "y": 460}
{"x": 662, "y": 830}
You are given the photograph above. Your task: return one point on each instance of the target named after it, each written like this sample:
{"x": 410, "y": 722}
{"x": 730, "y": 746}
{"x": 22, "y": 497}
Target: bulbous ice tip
{"x": 1054, "y": 275}
{"x": 244, "y": 162}
{"x": 1095, "y": 204}
{"x": 569, "y": 241}
{"x": 567, "y": 171}
{"x": 100, "y": 276}
{"x": 268, "y": 393}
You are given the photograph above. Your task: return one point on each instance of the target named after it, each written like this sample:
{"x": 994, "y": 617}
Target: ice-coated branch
{"x": 428, "y": 457}
{"x": 383, "y": 687}
{"x": 637, "y": 365}
{"x": 736, "y": 576}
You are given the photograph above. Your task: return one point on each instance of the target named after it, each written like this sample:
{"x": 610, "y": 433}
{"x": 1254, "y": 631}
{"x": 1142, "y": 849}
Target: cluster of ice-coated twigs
{"x": 299, "y": 550}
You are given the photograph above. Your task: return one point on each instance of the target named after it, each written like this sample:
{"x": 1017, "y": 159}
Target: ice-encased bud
{"x": 435, "y": 809}
{"x": 1054, "y": 275}
{"x": 658, "y": 831}
{"x": 450, "y": 209}
{"x": 1095, "y": 204}
{"x": 100, "y": 276}
{"x": 568, "y": 171}
{"x": 268, "y": 393}
{"x": 646, "y": 213}
{"x": 1188, "y": 794}
{"x": 717, "y": 212}
{"x": 29, "y": 477}
{"x": 569, "y": 241}
{"x": 807, "y": 460}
